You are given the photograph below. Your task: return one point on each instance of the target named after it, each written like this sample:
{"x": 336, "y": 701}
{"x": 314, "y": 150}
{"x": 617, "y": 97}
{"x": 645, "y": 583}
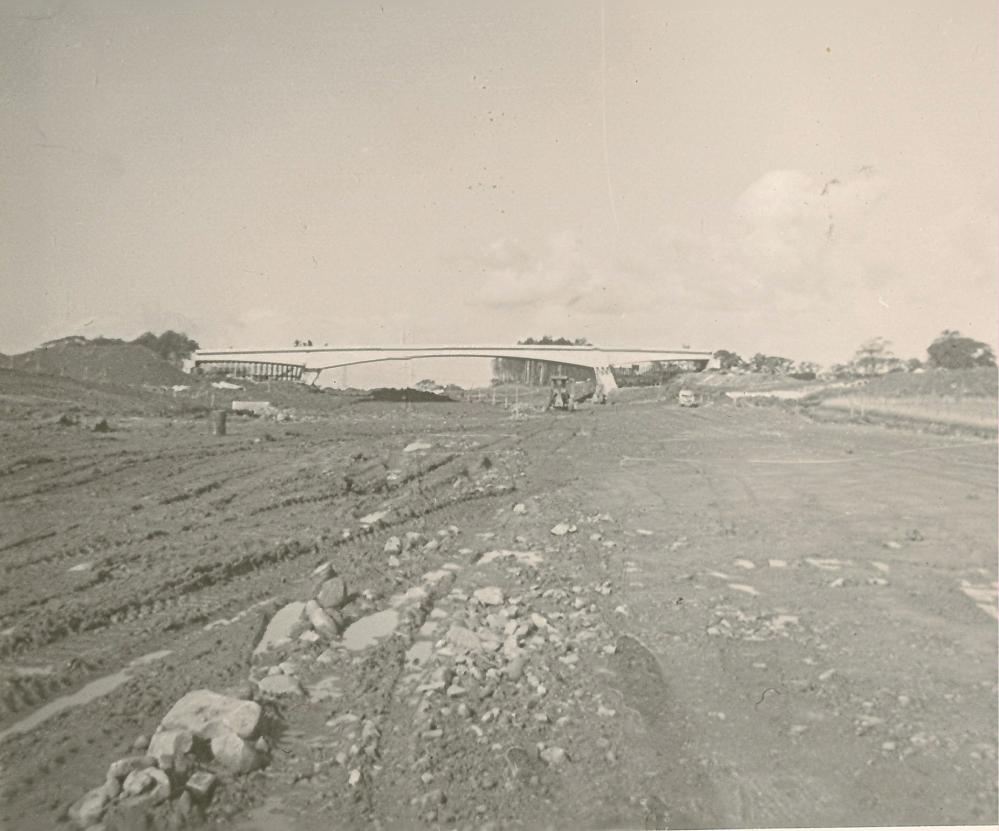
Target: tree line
{"x": 950, "y": 350}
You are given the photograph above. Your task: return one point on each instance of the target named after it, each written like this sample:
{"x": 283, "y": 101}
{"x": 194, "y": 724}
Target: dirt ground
{"x": 630, "y": 616}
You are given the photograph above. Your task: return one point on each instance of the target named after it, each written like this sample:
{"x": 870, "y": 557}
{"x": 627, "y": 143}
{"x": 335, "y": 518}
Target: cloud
{"x": 799, "y": 262}
{"x": 561, "y": 275}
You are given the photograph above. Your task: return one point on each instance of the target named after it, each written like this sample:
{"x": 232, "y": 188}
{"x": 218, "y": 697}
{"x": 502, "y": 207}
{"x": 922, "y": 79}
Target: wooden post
{"x": 218, "y": 422}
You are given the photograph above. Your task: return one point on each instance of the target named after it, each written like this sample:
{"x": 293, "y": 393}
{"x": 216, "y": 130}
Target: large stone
{"x": 463, "y": 638}
{"x": 321, "y": 620}
{"x": 489, "y": 596}
{"x": 200, "y": 784}
{"x": 89, "y": 808}
{"x": 123, "y": 767}
{"x": 136, "y": 782}
{"x": 148, "y": 780}
{"x": 169, "y": 745}
{"x": 280, "y": 684}
{"x": 236, "y": 754}
{"x": 281, "y": 627}
{"x": 333, "y": 593}
{"x": 393, "y": 545}
{"x": 207, "y": 715}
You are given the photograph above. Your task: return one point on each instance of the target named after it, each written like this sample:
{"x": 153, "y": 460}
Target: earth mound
{"x": 405, "y": 394}
{"x": 120, "y": 364}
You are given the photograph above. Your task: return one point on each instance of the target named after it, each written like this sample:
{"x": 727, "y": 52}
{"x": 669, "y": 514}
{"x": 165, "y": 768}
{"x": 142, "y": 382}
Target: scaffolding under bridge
{"x": 254, "y": 370}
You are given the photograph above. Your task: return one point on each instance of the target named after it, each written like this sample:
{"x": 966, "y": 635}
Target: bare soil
{"x": 750, "y": 620}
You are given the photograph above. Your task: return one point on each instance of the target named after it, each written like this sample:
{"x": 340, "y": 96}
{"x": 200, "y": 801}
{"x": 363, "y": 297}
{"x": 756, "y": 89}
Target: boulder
{"x": 489, "y": 596}
{"x": 150, "y": 781}
{"x": 123, "y": 767}
{"x": 136, "y": 782}
{"x": 321, "y": 621}
{"x": 463, "y": 638}
{"x": 200, "y": 784}
{"x": 207, "y": 714}
{"x": 281, "y": 627}
{"x": 393, "y": 545}
{"x": 333, "y": 593}
{"x": 89, "y": 808}
{"x": 169, "y": 745}
{"x": 236, "y": 754}
{"x": 280, "y": 684}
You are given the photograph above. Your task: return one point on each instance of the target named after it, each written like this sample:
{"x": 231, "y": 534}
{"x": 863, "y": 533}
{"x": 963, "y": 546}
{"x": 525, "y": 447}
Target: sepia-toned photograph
{"x": 498, "y": 416}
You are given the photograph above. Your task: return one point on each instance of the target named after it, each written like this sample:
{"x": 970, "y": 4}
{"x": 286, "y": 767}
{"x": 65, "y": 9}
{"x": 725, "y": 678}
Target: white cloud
{"x": 802, "y": 264}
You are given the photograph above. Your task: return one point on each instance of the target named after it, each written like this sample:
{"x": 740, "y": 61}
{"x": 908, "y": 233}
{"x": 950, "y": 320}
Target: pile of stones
{"x": 175, "y": 772}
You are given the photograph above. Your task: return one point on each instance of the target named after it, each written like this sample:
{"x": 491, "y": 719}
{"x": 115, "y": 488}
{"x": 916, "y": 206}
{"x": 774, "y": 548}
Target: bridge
{"x": 305, "y": 363}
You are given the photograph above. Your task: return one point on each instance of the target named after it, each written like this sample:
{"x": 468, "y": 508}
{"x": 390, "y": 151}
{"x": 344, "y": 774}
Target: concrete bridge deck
{"x": 314, "y": 359}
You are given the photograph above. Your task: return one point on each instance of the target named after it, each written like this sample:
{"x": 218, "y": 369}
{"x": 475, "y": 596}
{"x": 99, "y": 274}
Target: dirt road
{"x": 628, "y": 616}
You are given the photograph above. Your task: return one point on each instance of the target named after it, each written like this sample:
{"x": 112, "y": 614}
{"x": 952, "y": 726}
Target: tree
{"x": 170, "y": 345}
{"x": 913, "y": 364}
{"x": 952, "y": 350}
{"x": 874, "y": 357}
{"x": 729, "y": 360}
{"x": 772, "y": 364}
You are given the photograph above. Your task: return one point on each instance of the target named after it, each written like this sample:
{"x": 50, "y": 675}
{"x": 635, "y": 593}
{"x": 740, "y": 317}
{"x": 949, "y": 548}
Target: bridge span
{"x": 305, "y": 363}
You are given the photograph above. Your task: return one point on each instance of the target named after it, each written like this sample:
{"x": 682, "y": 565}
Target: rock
{"x": 207, "y": 715}
{"x": 182, "y": 807}
{"x": 374, "y": 518}
{"x": 89, "y": 808}
{"x": 123, "y": 767}
{"x": 394, "y": 561}
{"x": 520, "y": 508}
{"x": 416, "y": 445}
{"x": 554, "y": 756}
{"x": 333, "y": 593}
{"x": 463, "y": 638}
{"x": 169, "y": 745}
{"x": 200, "y": 784}
{"x": 280, "y": 684}
{"x": 113, "y": 786}
{"x": 489, "y": 596}
{"x": 321, "y": 620}
{"x": 561, "y": 529}
{"x": 150, "y": 779}
{"x": 515, "y": 669}
{"x": 136, "y": 782}
{"x": 393, "y": 545}
{"x": 279, "y": 629}
{"x": 235, "y": 753}
{"x": 161, "y": 788}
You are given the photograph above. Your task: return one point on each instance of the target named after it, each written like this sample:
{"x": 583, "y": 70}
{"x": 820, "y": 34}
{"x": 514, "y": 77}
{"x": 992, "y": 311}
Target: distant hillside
{"x": 115, "y": 364}
{"x": 981, "y": 382}
{"x": 33, "y": 395}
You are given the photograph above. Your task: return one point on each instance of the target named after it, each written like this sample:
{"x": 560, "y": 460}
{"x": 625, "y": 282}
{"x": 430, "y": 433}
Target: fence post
{"x": 218, "y": 422}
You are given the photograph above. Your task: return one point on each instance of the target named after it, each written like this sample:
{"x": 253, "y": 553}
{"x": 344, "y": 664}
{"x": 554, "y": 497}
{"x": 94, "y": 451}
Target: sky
{"x": 780, "y": 177}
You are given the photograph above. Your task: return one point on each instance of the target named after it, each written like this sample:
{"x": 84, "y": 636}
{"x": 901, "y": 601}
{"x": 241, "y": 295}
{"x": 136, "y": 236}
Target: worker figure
{"x": 561, "y": 396}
